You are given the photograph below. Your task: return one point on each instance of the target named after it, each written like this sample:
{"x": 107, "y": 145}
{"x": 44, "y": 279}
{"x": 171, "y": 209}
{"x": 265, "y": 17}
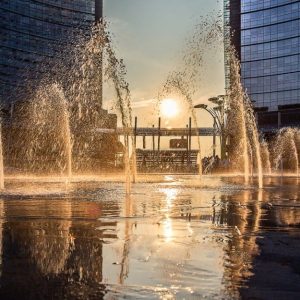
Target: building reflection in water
{"x": 276, "y": 269}
{"x": 53, "y": 249}
{"x": 128, "y": 212}
{"x": 241, "y": 216}
{"x": 259, "y": 221}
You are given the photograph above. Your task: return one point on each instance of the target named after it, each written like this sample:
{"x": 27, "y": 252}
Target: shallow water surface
{"x": 174, "y": 237}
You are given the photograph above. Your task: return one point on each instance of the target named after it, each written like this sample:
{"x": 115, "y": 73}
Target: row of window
{"x": 24, "y": 47}
{"x": 87, "y": 6}
{"x": 269, "y": 67}
{"x": 82, "y": 5}
{"x": 272, "y": 83}
{"x": 30, "y": 18}
{"x": 252, "y": 5}
{"x": 270, "y": 33}
{"x": 9, "y": 73}
{"x": 33, "y": 39}
{"x": 270, "y": 51}
{"x": 275, "y": 98}
{"x": 18, "y": 56}
{"x": 271, "y": 16}
{"x": 8, "y": 90}
{"x": 15, "y": 64}
{"x": 284, "y": 47}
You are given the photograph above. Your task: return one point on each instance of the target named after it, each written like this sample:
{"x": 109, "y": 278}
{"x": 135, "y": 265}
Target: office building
{"x": 266, "y": 35}
{"x": 34, "y": 30}
{"x": 34, "y": 34}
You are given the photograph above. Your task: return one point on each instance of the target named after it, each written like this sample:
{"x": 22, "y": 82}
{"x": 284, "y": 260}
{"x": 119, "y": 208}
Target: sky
{"x": 150, "y": 35}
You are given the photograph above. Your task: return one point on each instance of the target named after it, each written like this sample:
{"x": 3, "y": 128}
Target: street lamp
{"x": 218, "y": 114}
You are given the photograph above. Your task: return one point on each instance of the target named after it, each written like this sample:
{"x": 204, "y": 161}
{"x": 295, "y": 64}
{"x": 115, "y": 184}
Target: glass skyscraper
{"x": 266, "y": 34}
{"x": 31, "y": 31}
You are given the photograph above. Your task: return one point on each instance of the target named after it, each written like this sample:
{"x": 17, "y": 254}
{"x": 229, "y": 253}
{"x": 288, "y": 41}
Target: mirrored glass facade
{"x": 266, "y": 35}
{"x": 31, "y": 30}
{"x": 270, "y": 51}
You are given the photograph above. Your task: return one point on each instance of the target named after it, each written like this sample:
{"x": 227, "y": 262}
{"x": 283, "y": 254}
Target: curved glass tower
{"x": 31, "y": 30}
{"x": 267, "y": 37}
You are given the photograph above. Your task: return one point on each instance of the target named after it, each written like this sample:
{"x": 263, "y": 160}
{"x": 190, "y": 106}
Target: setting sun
{"x": 169, "y": 108}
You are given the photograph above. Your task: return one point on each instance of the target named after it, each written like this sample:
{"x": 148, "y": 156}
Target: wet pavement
{"x": 174, "y": 237}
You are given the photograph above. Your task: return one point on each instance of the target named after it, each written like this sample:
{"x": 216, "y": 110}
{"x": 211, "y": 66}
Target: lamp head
{"x": 204, "y": 106}
{"x": 214, "y": 100}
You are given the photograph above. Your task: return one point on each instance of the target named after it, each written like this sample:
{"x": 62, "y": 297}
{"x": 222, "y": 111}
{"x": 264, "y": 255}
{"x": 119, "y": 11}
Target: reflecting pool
{"x": 174, "y": 237}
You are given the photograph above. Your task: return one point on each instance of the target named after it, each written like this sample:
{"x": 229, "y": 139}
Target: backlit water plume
{"x": 185, "y": 80}
{"x": 286, "y": 150}
{"x": 57, "y": 125}
{"x": 241, "y": 129}
{"x": 265, "y": 157}
{"x": 116, "y": 72}
{"x": 41, "y": 130}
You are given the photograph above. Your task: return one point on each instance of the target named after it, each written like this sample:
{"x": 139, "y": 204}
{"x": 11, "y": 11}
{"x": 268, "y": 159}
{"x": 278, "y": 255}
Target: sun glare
{"x": 169, "y": 108}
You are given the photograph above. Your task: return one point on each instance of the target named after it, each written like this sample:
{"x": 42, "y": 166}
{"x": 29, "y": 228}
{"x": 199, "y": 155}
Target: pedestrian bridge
{"x": 152, "y": 131}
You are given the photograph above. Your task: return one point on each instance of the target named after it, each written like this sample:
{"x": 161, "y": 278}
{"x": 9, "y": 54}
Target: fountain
{"x": 41, "y": 132}
{"x": 101, "y": 55}
{"x": 54, "y": 128}
{"x": 116, "y": 72}
{"x": 265, "y": 156}
{"x": 177, "y": 83}
{"x": 236, "y": 129}
{"x": 246, "y": 149}
{"x": 184, "y": 81}
{"x": 241, "y": 125}
{"x": 61, "y": 112}
{"x": 254, "y": 140}
{"x": 286, "y": 150}
{"x": 68, "y": 243}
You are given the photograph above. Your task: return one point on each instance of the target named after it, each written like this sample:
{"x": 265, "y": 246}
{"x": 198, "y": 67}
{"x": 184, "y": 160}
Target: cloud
{"x": 143, "y": 103}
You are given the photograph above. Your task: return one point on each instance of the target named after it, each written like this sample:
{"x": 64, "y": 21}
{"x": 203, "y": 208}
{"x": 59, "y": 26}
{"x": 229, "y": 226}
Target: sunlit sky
{"x": 150, "y": 36}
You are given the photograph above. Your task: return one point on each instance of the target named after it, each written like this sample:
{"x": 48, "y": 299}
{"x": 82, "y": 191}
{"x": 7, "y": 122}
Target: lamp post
{"x": 218, "y": 114}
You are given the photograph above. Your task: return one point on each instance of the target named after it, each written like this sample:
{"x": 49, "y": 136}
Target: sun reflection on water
{"x": 168, "y": 229}
{"x": 170, "y": 196}
{"x": 161, "y": 241}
